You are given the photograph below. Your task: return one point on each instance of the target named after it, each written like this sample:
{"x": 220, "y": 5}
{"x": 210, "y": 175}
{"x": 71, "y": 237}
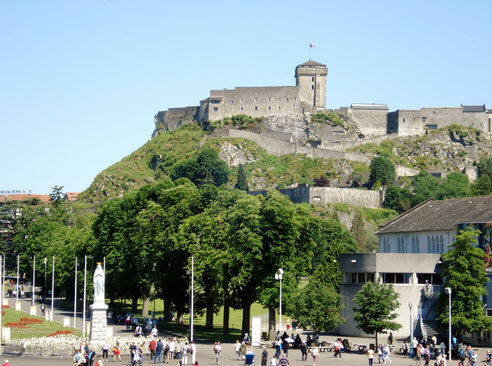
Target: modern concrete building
{"x": 410, "y": 249}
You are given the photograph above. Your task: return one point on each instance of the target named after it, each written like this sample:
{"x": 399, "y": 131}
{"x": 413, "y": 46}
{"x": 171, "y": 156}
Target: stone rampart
{"x": 279, "y": 148}
{"x": 330, "y": 195}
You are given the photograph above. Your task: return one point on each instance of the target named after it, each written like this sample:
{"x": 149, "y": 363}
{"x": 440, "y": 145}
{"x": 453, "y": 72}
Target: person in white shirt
{"x": 218, "y": 351}
{"x": 237, "y": 348}
{"x": 193, "y": 352}
{"x": 153, "y": 332}
{"x": 186, "y": 349}
{"x": 172, "y": 345}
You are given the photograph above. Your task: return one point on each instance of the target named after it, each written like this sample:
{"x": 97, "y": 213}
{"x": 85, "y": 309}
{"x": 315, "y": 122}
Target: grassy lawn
{"x": 235, "y": 321}
{"x": 32, "y": 330}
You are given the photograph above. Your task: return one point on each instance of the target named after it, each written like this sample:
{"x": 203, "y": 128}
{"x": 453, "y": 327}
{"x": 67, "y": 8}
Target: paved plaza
{"x": 206, "y": 357}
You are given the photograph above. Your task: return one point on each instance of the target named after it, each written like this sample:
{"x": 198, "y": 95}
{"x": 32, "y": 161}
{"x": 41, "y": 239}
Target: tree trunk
{"x": 271, "y": 324}
{"x": 225, "y": 318}
{"x": 167, "y": 309}
{"x": 111, "y": 300}
{"x": 134, "y": 304}
{"x": 145, "y": 306}
{"x": 209, "y": 317}
{"x": 246, "y": 317}
{"x": 377, "y": 344}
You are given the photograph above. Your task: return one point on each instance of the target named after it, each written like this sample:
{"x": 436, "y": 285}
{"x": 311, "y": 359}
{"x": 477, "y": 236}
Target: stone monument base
{"x": 98, "y": 322}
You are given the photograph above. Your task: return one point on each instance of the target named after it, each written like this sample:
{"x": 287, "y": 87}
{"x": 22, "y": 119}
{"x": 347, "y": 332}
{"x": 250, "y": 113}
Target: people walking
{"x": 264, "y": 356}
{"x": 218, "y": 352}
{"x": 370, "y": 356}
{"x": 158, "y": 351}
{"x": 386, "y": 354}
{"x": 315, "y": 353}
{"x": 237, "y": 349}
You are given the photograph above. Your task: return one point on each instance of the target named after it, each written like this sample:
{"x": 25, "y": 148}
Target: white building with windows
{"x": 410, "y": 249}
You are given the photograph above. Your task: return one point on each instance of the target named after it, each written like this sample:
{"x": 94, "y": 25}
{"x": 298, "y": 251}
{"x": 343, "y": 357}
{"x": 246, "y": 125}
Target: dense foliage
{"x": 375, "y": 308}
{"x": 464, "y": 272}
{"x": 148, "y": 238}
{"x": 382, "y": 172}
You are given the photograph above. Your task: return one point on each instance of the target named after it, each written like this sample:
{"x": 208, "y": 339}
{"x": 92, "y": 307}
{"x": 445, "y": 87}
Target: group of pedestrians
{"x": 172, "y": 348}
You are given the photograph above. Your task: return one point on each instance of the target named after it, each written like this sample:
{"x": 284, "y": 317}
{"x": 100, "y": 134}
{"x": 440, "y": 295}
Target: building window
{"x": 312, "y": 78}
{"x": 431, "y": 127}
{"x": 403, "y": 120}
{"x": 232, "y": 102}
{"x": 278, "y": 107}
{"x": 295, "y": 99}
{"x": 242, "y": 109}
{"x": 269, "y": 99}
{"x": 312, "y": 87}
{"x": 256, "y": 107}
{"x": 269, "y": 107}
{"x": 293, "y": 106}
{"x": 241, "y": 100}
{"x": 256, "y": 99}
{"x": 442, "y": 244}
{"x": 216, "y": 109}
{"x": 286, "y": 99}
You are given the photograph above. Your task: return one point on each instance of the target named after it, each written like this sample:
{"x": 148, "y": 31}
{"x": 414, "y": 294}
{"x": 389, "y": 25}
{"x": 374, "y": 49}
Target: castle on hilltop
{"x": 308, "y": 96}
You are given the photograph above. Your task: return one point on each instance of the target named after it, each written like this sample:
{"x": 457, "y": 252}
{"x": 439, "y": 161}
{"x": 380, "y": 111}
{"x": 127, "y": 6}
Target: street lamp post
{"x": 85, "y": 289}
{"x": 192, "y": 296}
{"x": 448, "y": 291}
{"x": 278, "y": 276}
{"x": 75, "y": 296}
{"x": 410, "y": 306}
{"x": 52, "y": 287}
{"x": 33, "y": 277}
{"x": 44, "y": 296}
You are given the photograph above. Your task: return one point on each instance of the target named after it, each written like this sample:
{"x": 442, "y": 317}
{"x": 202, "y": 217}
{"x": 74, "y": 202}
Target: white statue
{"x": 99, "y": 285}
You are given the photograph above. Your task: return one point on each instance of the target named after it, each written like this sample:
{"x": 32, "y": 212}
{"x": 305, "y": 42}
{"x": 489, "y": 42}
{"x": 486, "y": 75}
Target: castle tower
{"x": 311, "y": 80}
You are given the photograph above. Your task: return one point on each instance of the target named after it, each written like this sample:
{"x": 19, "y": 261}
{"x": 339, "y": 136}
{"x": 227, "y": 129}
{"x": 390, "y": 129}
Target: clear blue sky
{"x": 81, "y": 80}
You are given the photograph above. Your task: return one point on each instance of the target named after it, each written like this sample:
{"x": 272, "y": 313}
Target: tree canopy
{"x": 382, "y": 171}
{"x": 375, "y": 308}
{"x": 464, "y": 272}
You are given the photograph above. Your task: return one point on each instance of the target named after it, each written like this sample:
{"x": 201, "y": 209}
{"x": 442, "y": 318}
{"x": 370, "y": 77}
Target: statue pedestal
{"x": 98, "y": 322}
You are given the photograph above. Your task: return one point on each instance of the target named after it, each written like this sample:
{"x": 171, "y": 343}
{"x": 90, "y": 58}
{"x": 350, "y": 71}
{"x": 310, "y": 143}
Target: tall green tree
{"x": 375, "y": 308}
{"x": 207, "y": 168}
{"x": 464, "y": 272}
{"x": 398, "y": 199}
{"x": 424, "y": 186}
{"x": 318, "y": 307}
{"x": 455, "y": 185}
{"x": 241, "y": 183}
{"x": 382, "y": 171}
{"x": 56, "y": 195}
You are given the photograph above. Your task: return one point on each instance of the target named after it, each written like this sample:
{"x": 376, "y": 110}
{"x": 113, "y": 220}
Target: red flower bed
{"x": 24, "y": 323}
{"x": 60, "y": 333}
{"x": 5, "y": 307}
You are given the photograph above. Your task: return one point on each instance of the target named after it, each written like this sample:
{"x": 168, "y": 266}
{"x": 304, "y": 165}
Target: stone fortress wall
{"x": 309, "y": 96}
{"x": 416, "y": 122}
{"x": 325, "y": 195}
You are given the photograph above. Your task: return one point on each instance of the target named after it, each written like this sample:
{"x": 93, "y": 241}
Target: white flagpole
{"x": 33, "y": 277}
{"x": 85, "y": 288}
{"x": 18, "y": 288}
{"x": 75, "y": 296}
{"x": 52, "y": 288}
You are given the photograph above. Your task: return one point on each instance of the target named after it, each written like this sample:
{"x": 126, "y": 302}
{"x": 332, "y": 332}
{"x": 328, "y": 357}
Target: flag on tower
{"x": 311, "y": 45}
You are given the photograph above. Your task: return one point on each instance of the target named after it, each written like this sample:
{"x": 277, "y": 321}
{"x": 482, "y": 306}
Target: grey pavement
{"x": 205, "y": 354}
{"x": 205, "y": 357}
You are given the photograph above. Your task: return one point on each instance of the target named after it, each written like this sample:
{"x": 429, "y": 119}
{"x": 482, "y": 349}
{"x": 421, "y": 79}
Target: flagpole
{"x": 310, "y": 51}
